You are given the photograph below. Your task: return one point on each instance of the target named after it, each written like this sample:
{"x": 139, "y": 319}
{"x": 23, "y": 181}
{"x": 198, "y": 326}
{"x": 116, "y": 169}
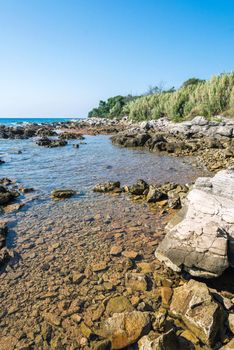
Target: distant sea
{"x": 33, "y": 120}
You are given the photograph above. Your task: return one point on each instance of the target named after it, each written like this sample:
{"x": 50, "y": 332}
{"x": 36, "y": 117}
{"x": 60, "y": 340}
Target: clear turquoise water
{"x": 33, "y": 120}
{"x": 97, "y": 160}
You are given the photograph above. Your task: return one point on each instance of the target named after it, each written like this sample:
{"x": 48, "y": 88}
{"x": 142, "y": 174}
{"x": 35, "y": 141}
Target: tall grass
{"x": 207, "y": 98}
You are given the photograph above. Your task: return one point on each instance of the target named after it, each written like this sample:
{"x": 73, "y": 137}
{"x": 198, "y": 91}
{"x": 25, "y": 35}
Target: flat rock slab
{"x": 202, "y": 242}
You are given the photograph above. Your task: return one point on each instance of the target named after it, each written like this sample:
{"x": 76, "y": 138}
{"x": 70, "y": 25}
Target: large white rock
{"x": 203, "y": 241}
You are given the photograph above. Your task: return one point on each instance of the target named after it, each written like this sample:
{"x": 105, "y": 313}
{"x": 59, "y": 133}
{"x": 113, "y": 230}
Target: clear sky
{"x": 60, "y": 57}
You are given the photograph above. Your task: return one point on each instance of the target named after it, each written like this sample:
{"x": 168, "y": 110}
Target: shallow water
{"x": 50, "y": 240}
{"x": 45, "y": 169}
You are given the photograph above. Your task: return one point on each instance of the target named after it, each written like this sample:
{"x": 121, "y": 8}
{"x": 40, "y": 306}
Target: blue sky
{"x": 60, "y": 57}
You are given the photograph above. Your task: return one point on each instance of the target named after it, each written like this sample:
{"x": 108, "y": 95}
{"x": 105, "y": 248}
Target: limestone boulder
{"x": 202, "y": 240}
{"x": 194, "y": 305}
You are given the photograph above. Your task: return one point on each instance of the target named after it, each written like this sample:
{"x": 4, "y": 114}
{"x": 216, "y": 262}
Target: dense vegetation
{"x": 195, "y": 97}
{"x": 112, "y": 108}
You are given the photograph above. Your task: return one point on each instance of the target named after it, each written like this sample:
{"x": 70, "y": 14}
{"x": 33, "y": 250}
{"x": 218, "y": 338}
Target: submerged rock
{"x": 194, "y": 305}
{"x": 203, "y": 241}
{"x": 125, "y": 328}
{"x": 62, "y": 193}
{"x": 118, "y": 304}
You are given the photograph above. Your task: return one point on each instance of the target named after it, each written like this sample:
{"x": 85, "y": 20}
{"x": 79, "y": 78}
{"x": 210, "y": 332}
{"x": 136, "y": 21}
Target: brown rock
{"x": 131, "y": 254}
{"x": 102, "y": 345}
{"x": 116, "y": 250}
{"x": 101, "y": 266}
{"x": 118, "y": 304}
{"x": 194, "y": 304}
{"x": 167, "y": 341}
{"x": 52, "y": 318}
{"x": 126, "y": 328}
{"x": 77, "y": 277}
{"x": 166, "y": 294}
{"x": 136, "y": 281}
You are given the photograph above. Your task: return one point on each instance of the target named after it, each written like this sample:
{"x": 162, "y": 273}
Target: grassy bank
{"x": 195, "y": 97}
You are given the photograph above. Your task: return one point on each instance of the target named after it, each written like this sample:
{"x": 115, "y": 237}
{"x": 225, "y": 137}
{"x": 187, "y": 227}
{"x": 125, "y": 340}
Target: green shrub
{"x": 112, "y": 108}
{"x": 195, "y": 97}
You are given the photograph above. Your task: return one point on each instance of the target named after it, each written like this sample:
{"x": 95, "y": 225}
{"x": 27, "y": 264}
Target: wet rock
{"x": 6, "y": 181}
{"x": 52, "y": 318}
{"x": 154, "y": 194}
{"x": 136, "y": 281}
{"x": 139, "y": 188}
{"x": 130, "y": 254}
{"x": 3, "y": 233}
{"x": 107, "y": 186}
{"x": 50, "y": 143}
{"x": 4, "y": 255}
{"x": 203, "y": 241}
{"x": 118, "y": 304}
{"x": 10, "y": 208}
{"x": 194, "y": 305}
{"x": 71, "y": 136}
{"x": 166, "y": 341}
{"x": 115, "y": 250}
{"x": 77, "y": 277}
{"x": 100, "y": 266}
{"x": 62, "y": 193}
{"x": 6, "y": 195}
{"x": 126, "y": 328}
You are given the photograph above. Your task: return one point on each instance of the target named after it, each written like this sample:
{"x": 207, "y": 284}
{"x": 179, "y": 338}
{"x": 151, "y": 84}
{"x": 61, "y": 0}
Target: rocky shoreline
{"x": 97, "y": 283}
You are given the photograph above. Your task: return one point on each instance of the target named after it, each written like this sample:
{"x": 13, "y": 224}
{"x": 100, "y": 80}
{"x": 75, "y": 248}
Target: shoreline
{"x": 71, "y": 290}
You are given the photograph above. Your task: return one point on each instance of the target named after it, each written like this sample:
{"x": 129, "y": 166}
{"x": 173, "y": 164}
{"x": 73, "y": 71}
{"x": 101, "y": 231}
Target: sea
{"x": 95, "y": 160}
{"x": 18, "y": 121}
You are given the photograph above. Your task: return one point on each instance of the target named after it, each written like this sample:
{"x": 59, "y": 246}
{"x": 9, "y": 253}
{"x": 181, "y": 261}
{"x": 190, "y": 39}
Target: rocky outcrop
{"x": 212, "y": 141}
{"x": 25, "y": 131}
{"x": 50, "y": 143}
{"x": 202, "y": 242}
{"x": 71, "y": 136}
{"x": 194, "y": 305}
